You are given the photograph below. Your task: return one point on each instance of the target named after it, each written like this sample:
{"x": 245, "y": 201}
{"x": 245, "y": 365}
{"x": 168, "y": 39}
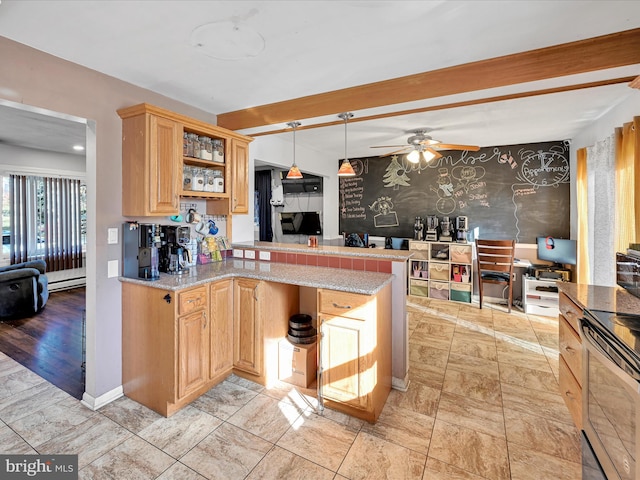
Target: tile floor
{"x": 483, "y": 403}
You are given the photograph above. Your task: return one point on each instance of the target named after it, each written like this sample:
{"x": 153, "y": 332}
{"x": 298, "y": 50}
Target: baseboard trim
{"x": 94, "y": 403}
{"x": 400, "y": 384}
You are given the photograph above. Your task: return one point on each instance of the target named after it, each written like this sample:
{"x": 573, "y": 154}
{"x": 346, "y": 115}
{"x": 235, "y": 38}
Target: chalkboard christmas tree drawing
{"x": 395, "y": 175}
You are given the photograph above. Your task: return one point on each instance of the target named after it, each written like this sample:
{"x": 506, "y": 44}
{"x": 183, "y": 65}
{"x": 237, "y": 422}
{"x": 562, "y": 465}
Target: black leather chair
{"x": 24, "y": 289}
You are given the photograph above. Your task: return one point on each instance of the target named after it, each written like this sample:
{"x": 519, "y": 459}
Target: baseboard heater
{"x": 67, "y": 283}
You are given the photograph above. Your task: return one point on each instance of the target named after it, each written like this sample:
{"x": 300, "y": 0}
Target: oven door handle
{"x": 627, "y": 366}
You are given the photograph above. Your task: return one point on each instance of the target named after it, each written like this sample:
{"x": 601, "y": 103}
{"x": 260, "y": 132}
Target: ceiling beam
{"x": 598, "y": 53}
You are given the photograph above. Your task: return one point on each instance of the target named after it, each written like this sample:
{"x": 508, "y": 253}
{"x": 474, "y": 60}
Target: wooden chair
{"x": 494, "y": 261}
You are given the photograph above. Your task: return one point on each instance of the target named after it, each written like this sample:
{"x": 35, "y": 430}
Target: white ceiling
{"x": 312, "y": 47}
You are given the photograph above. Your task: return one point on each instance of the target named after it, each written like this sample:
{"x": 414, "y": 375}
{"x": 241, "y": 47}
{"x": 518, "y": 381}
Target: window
{"x": 46, "y": 217}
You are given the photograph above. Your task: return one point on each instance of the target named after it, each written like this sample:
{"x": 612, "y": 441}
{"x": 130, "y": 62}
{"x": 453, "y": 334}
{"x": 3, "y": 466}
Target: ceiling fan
{"x": 421, "y": 143}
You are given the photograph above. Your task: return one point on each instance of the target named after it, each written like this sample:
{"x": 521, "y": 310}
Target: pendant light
{"x": 294, "y": 171}
{"x": 346, "y": 170}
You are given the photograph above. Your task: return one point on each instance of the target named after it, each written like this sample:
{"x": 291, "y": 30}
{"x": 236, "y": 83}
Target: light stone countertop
{"x": 353, "y": 281}
{"x": 594, "y": 297}
{"x": 378, "y": 253}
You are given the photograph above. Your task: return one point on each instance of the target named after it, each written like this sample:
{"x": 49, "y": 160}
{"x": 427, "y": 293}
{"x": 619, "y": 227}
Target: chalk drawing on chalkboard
{"x": 445, "y": 203}
{"x": 467, "y": 175}
{"x": 544, "y": 168}
{"x": 385, "y": 216}
{"x": 395, "y": 176}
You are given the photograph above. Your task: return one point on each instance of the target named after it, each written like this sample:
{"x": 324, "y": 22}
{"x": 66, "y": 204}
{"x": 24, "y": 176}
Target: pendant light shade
{"x": 294, "y": 171}
{"x": 346, "y": 170}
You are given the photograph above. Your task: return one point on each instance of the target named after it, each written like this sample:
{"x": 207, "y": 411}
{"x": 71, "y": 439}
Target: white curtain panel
{"x": 601, "y": 208}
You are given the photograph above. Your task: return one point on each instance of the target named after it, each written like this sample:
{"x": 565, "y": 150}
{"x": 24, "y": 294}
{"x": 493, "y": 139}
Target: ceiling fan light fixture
{"x": 294, "y": 172}
{"x": 428, "y": 155}
{"x": 414, "y": 156}
{"x": 346, "y": 169}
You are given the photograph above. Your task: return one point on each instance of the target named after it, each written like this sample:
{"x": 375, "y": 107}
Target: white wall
{"x": 33, "y": 159}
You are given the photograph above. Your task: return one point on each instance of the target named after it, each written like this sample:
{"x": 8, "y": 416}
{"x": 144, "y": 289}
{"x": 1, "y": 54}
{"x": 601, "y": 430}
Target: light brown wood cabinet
{"x": 153, "y": 161}
{"x": 247, "y": 325}
{"x": 355, "y": 355}
{"x": 221, "y": 328}
{"x": 570, "y": 347}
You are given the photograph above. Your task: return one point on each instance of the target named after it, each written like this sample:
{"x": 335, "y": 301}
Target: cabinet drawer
{"x": 570, "y": 311}
{"x": 461, "y": 253}
{"x": 191, "y": 300}
{"x": 352, "y": 305}
{"x": 439, "y": 271}
{"x": 571, "y": 391}
{"x": 570, "y": 348}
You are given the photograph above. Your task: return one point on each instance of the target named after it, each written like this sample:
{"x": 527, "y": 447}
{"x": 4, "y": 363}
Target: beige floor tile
{"x": 228, "y": 453}
{"x": 248, "y": 384}
{"x": 265, "y": 417}
{"x": 543, "y": 435}
{"x": 545, "y": 404}
{"x": 527, "y": 377}
{"x": 475, "y": 347}
{"x": 470, "y": 364}
{"x": 25, "y": 401}
{"x": 178, "y": 471}
{"x": 352, "y": 424}
{"x": 433, "y": 379}
{"x": 534, "y": 361}
{"x": 182, "y": 431}
{"x": 224, "y": 399}
{"x": 419, "y": 398}
{"x": 300, "y": 397}
{"x": 437, "y": 470}
{"x": 372, "y": 458}
{"x": 530, "y": 464}
{"x": 470, "y": 450}
{"x": 433, "y": 335}
{"x": 13, "y": 444}
{"x": 428, "y": 358}
{"x": 403, "y": 427}
{"x": 15, "y": 378}
{"x": 281, "y": 464}
{"x": 471, "y": 413}
{"x": 89, "y": 440}
{"x": 473, "y": 385}
{"x": 134, "y": 458}
{"x": 51, "y": 421}
{"x": 130, "y": 414}
{"x": 318, "y": 440}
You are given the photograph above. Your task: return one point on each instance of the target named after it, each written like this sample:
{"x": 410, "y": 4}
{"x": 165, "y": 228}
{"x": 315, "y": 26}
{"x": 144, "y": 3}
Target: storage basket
{"x": 419, "y": 288}
{"x": 419, "y": 249}
{"x": 461, "y": 253}
{"x": 438, "y": 271}
{"x": 461, "y": 292}
{"x": 439, "y": 290}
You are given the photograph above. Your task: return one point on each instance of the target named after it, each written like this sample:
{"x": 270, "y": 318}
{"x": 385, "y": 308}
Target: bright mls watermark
{"x": 46, "y": 467}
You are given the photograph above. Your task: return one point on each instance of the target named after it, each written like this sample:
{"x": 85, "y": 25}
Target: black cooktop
{"x": 623, "y": 327}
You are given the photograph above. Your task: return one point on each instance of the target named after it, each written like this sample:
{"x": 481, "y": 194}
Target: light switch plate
{"x": 112, "y": 268}
{"x": 251, "y": 254}
{"x": 265, "y": 256}
{"x": 112, "y": 236}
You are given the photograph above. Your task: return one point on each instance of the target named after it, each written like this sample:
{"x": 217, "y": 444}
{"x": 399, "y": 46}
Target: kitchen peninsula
{"x": 182, "y": 334}
{"x": 358, "y": 260}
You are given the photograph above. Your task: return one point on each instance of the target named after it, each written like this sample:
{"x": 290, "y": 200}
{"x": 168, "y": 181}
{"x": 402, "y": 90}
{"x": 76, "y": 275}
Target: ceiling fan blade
{"x": 388, "y": 146}
{"x": 447, "y": 146}
{"x": 395, "y": 152}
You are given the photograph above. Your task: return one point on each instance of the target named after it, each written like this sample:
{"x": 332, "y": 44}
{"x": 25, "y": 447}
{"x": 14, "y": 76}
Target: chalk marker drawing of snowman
{"x": 445, "y": 203}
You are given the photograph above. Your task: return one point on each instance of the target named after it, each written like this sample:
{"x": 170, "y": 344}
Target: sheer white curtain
{"x": 601, "y": 207}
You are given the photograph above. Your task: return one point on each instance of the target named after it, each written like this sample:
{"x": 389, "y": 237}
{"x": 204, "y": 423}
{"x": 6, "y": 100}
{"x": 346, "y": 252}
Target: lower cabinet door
{"x": 192, "y": 352}
{"x": 345, "y": 358}
{"x": 221, "y": 328}
{"x": 247, "y": 326}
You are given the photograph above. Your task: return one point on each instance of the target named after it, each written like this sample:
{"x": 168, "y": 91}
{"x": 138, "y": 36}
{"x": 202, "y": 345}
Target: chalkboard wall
{"x": 514, "y": 191}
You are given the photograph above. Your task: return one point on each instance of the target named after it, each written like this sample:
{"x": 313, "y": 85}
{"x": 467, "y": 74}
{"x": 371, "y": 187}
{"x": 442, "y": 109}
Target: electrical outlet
{"x": 513, "y": 276}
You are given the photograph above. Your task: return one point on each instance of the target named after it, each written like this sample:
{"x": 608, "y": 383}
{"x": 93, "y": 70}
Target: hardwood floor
{"x": 50, "y": 342}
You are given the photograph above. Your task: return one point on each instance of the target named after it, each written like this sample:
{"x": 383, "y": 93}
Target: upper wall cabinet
{"x": 154, "y": 158}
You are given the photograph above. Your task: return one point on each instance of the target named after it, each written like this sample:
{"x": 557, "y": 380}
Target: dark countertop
{"x": 377, "y": 253}
{"x": 353, "y": 281}
{"x": 594, "y": 297}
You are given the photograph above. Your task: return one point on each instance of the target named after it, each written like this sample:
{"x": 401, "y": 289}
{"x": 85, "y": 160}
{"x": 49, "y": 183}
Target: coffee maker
{"x": 431, "y": 234}
{"x": 174, "y": 256}
{"x": 418, "y": 229}
{"x": 445, "y": 230}
{"x": 461, "y": 229}
{"x": 141, "y": 243}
